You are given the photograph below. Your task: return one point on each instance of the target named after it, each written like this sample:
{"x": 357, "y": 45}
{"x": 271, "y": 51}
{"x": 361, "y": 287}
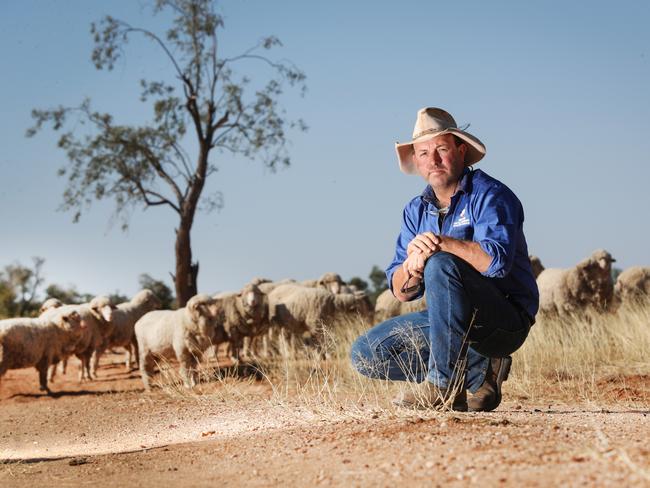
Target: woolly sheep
{"x": 183, "y": 334}
{"x": 246, "y": 316}
{"x": 387, "y": 306}
{"x": 633, "y": 285}
{"x": 301, "y": 310}
{"x": 50, "y": 303}
{"x": 588, "y": 285}
{"x": 331, "y": 282}
{"x": 40, "y": 342}
{"x": 353, "y": 305}
{"x": 268, "y": 286}
{"x": 124, "y": 318}
{"x": 96, "y": 317}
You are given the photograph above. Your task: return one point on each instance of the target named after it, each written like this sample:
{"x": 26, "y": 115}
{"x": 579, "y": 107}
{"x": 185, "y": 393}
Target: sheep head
{"x": 331, "y": 282}
{"x": 253, "y": 303}
{"x": 49, "y": 304}
{"x": 147, "y": 299}
{"x": 70, "y": 321}
{"x": 102, "y": 308}
{"x": 201, "y": 310}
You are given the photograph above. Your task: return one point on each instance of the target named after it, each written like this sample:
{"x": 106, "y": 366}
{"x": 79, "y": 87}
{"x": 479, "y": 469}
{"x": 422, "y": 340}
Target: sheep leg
{"x": 64, "y": 365}
{"x": 52, "y": 372}
{"x": 97, "y": 354}
{"x": 146, "y": 369}
{"x": 186, "y": 370}
{"x": 42, "y": 367}
{"x": 136, "y": 351}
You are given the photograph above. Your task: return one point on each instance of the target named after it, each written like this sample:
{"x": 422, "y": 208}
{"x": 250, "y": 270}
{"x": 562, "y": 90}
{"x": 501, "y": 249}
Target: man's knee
{"x": 443, "y": 263}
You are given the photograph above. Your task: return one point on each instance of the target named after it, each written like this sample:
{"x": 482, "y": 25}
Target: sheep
{"x": 38, "y": 342}
{"x": 182, "y": 334}
{"x": 388, "y": 306}
{"x": 268, "y": 286}
{"x": 588, "y": 285}
{"x": 124, "y": 318}
{"x": 50, "y": 303}
{"x": 331, "y": 282}
{"x": 246, "y": 316}
{"x": 353, "y": 305}
{"x": 633, "y": 285}
{"x": 536, "y": 265}
{"x": 301, "y": 310}
{"x": 96, "y": 317}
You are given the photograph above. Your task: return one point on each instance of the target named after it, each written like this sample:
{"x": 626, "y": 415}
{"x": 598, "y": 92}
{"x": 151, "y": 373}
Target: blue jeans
{"x": 467, "y": 321}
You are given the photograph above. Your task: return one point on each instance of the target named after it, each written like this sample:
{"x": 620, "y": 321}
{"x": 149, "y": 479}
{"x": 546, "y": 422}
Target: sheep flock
{"x": 245, "y": 322}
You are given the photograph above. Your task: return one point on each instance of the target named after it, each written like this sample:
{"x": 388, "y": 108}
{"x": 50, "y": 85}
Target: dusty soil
{"x": 110, "y": 432}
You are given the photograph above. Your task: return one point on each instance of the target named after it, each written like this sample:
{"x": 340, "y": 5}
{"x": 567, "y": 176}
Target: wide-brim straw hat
{"x": 433, "y": 122}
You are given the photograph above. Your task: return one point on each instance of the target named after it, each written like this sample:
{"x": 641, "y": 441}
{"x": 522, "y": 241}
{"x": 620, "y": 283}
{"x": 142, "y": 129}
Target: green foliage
{"x": 18, "y": 289}
{"x": 359, "y": 283}
{"x": 147, "y": 165}
{"x": 116, "y": 297}
{"x": 160, "y": 289}
{"x": 615, "y": 273}
{"x": 67, "y": 295}
{"x": 379, "y": 283}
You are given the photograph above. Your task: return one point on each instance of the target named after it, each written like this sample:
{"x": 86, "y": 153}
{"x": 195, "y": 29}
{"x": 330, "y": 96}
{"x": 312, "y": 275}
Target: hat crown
{"x": 430, "y": 120}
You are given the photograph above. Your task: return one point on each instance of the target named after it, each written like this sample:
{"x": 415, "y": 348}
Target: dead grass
{"x": 602, "y": 360}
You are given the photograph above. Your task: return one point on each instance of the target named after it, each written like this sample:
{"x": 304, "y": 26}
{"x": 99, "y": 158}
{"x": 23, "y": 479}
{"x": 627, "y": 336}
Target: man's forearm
{"x": 469, "y": 251}
{"x": 399, "y": 279}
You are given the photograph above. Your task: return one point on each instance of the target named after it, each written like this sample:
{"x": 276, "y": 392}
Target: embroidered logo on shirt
{"x": 462, "y": 219}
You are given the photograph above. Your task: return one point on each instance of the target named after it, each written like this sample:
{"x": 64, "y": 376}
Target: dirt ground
{"x": 110, "y": 432}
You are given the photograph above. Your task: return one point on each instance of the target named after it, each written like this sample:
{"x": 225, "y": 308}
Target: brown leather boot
{"x": 427, "y": 395}
{"x": 488, "y": 396}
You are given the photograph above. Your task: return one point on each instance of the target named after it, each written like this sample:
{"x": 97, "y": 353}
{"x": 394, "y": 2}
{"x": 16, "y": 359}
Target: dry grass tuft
{"x": 602, "y": 360}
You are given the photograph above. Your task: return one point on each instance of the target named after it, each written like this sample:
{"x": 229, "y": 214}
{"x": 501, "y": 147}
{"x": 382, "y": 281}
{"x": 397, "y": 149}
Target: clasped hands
{"x": 421, "y": 248}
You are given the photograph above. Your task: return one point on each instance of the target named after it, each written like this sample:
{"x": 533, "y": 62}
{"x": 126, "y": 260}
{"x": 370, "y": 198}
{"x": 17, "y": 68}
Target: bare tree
{"x": 147, "y": 165}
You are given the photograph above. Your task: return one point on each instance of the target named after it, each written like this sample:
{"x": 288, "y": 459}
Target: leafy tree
{"x": 359, "y": 283}
{"x": 7, "y": 300}
{"x": 67, "y": 295}
{"x": 116, "y": 297}
{"x": 160, "y": 289}
{"x": 378, "y": 281}
{"x": 147, "y": 165}
{"x": 20, "y": 287}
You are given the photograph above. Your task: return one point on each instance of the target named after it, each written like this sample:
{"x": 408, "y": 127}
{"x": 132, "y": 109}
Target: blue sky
{"x": 558, "y": 92}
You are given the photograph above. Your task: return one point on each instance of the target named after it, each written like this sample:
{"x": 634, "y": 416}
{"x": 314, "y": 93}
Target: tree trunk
{"x": 186, "y": 271}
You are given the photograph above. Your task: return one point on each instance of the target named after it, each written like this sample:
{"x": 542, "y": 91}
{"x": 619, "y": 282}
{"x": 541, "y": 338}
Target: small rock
{"x": 77, "y": 461}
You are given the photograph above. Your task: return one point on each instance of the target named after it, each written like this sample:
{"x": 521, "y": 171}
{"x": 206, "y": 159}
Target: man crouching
{"x": 461, "y": 245}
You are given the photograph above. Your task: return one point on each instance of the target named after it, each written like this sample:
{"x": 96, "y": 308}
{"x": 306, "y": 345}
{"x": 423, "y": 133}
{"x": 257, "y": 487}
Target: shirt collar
{"x": 464, "y": 185}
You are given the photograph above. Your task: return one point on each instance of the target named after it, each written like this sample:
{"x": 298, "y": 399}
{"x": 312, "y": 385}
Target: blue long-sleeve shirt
{"x": 486, "y": 211}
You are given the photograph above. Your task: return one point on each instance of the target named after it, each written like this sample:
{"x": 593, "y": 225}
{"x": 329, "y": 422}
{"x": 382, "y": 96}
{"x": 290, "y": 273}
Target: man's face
{"x": 439, "y": 161}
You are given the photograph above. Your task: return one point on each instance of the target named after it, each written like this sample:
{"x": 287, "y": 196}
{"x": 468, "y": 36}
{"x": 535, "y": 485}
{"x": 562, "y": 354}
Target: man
{"x": 462, "y": 245}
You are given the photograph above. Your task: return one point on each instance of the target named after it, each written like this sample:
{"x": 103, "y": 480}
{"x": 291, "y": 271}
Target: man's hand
{"x": 426, "y": 243}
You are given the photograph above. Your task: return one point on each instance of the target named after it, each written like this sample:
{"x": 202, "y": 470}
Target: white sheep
{"x": 586, "y": 286}
{"x": 96, "y": 317}
{"x": 49, "y": 304}
{"x": 301, "y": 310}
{"x": 182, "y": 334}
{"x": 246, "y": 316}
{"x": 633, "y": 285}
{"x": 387, "y": 306}
{"x": 331, "y": 282}
{"x": 267, "y": 287}
{"x": 39, "y": 342}
{"x": 353, "y": 306}
{"x": 124, "y": 317}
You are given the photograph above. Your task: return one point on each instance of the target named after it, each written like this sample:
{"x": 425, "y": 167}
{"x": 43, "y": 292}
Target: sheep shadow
{"x": 248, "y": 369}
{"x": 62, "y": 393}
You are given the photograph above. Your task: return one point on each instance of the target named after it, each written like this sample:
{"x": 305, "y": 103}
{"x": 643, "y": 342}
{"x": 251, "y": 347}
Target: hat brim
{"x": 475, "y": 149}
